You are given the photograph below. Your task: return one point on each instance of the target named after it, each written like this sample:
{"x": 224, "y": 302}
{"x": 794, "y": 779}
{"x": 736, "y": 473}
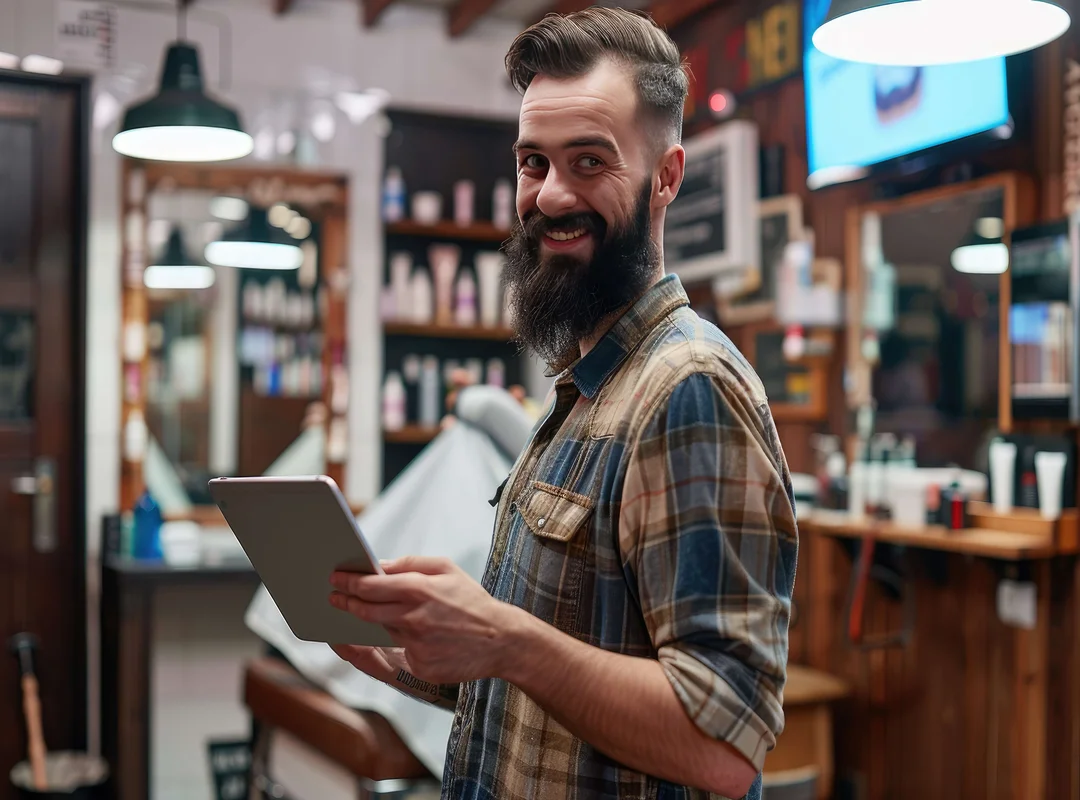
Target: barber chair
{"x": 332, "y": 751}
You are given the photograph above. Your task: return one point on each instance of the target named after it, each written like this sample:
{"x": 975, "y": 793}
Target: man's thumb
{"x": 423, "y": 564}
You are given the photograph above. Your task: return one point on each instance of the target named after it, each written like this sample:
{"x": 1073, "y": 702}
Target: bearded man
{"x": 629, "y": 639}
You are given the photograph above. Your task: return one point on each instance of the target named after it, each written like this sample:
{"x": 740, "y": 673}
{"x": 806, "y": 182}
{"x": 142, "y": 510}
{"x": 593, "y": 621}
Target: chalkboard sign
{"x": 230, "y": 764}
{"x": 710, "y": 227}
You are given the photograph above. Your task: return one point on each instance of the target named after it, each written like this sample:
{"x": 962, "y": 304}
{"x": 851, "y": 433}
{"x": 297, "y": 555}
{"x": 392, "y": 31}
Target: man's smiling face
{"x": 581, "y": 159}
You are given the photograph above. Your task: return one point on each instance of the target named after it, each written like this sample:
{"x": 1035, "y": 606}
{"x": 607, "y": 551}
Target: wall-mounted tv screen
{"x": 861, "y": 115}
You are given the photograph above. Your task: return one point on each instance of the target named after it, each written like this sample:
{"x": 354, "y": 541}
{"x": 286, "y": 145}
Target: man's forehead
{"x": 601, "y": 102}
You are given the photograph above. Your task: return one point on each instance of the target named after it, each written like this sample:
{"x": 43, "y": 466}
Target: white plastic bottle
{"x": 393, "y": 402}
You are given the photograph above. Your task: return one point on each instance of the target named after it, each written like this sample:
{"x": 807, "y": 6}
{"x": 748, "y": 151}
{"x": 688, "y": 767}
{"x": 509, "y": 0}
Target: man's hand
{"x": 449, "y": 628}
{"x": 388, "y": 664}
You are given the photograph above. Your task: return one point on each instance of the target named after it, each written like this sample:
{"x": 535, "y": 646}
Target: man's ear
{"x": 669, "y": 176}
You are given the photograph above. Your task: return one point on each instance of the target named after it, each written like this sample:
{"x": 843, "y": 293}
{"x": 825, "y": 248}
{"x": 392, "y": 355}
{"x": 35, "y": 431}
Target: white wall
{"x": 275, "y": 62}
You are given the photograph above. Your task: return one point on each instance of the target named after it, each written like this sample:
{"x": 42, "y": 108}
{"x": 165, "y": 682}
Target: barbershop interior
{"x": 265, "y": 238}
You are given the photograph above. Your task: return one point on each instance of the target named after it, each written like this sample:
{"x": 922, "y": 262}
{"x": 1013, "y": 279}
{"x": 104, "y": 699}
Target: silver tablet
{"x": 296, "y": 531}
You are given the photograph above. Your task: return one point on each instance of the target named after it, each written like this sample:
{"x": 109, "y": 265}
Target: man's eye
{"x": 590, "y": 162}
{"x": 533, "y": 161}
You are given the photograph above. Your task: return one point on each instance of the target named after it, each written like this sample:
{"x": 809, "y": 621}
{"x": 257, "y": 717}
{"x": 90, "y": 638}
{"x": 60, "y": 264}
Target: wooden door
{"x": 42, "y": 554}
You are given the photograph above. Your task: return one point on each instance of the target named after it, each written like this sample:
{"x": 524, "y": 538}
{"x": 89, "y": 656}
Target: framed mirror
{"x": 233, "y": 335}
{"x": 927, "y": 278}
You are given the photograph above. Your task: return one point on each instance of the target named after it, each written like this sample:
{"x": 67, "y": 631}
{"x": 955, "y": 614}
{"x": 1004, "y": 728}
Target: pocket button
{"x": 513, "y": 508}
{"x": 540, "y": 522}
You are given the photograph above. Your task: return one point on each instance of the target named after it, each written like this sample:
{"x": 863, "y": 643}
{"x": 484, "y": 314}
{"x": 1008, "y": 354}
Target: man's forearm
{"x": 443, "y": 695}
{"x": 623, "y": 706}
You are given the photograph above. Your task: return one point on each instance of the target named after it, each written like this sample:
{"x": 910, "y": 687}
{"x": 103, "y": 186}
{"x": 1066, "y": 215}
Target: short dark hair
{"x": 564, "y": 46}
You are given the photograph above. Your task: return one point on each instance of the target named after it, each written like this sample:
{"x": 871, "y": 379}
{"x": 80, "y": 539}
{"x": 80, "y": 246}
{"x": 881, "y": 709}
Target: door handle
{"x": 42, "y": 487}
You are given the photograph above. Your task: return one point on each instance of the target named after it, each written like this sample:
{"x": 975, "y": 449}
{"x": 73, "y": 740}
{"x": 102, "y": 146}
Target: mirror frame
{"x": 1019, "y": 201}
{"x": 324, "y": 193}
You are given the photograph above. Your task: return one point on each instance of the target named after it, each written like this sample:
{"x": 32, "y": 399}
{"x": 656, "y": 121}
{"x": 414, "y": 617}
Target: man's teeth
{"x": 565, "y": 236}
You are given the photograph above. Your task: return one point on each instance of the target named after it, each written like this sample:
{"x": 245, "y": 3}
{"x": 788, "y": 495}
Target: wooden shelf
{"x": 448, "y": 331}
{"x": 412, "y": 434}
{"x": 1003, "y": 545}
{"x": 477, "y": 232}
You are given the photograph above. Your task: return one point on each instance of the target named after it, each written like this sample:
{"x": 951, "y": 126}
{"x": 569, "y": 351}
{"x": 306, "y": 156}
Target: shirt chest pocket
{"x": 555, "y": 552}
{"x": 555, "y": 513}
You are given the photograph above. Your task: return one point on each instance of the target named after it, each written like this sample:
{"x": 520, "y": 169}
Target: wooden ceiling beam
{"x": 371, "y": 10}
{"x": 282, "y": 7}
{"x": 464, "y": 13}
{"x": 666, "y": 13}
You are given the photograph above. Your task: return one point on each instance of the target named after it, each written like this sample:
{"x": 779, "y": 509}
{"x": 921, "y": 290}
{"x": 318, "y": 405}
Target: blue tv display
{"x": 859, "y": 115}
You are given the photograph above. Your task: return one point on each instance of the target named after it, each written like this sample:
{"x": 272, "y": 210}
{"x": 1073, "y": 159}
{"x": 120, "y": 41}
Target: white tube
{"x": 1050, "y": 472}
{"x": 1002, "y": 472}
{"x": 489, "y": 267}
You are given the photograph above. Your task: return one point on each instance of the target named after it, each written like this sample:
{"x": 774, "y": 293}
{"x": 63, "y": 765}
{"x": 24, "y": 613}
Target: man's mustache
{"x": 536, "y": 224}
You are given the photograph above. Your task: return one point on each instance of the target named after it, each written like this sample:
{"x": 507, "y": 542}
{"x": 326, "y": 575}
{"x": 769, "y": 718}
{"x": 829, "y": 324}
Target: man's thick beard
{"x": 559, "y": 300}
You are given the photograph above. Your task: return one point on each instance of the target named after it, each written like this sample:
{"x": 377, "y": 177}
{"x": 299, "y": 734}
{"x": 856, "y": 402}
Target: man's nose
{"x": 556, "y": 196}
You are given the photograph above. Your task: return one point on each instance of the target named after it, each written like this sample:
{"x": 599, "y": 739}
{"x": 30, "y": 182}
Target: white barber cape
{"x": 437, "y": 507}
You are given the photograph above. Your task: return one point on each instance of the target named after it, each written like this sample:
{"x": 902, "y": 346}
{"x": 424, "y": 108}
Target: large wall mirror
{"x": 928, "y": 290}
{"x": 234, "y": 323}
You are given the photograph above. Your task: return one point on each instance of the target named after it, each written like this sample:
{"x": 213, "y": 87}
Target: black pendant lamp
{"x": 181, "y": 122}
{"x": 918, "y": 33}
{"x": 255, "y": 244}
{"x": 177, "y": 269}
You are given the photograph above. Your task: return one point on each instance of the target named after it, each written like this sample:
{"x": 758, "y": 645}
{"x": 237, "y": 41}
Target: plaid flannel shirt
{"x": 651, "y": 514}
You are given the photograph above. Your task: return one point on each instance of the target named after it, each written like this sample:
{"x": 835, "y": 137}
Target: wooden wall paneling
{"x": 135, "y": 312}
{"x": 335, "y": 358}
{"x": 1030, "y": 694}
{"x": 1063, "y": 682}
{"x": 976, "y": 685}
{"x": 1001, "y": 705}
{"x": 1048, "y": 132}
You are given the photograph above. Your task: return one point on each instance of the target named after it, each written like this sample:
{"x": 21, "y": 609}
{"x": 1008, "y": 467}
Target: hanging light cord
{"x": 181, "y": 21}
{"x": 215, "y": 18}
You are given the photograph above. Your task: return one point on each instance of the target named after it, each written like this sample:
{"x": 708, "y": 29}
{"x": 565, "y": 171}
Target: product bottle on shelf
{"x": 393, "y": 402}
{"x": 401, "y": 273}
{"x": 421, "y": 296}
{"x": 489, "y": 268}
{"x": 464, "y": 191}
{"x": 465, "y": 299}
{"x": 429, "y": 391}
{"x": 393, "y": 204}
{"x": 147, "y": 539}
{"x": 502, "y": 204}
{"x": 410, "y": 373}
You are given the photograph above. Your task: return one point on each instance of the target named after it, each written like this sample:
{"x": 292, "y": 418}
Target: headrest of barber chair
{"x": 498, "y": 414}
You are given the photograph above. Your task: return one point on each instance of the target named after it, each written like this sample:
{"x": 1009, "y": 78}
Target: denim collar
{"x": 591, "y": 372}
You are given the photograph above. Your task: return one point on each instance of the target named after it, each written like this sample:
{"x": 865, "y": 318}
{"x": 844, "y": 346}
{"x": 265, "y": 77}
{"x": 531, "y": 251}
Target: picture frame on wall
{"x": 779, "y": 221}
{"x": 709, "y": 229}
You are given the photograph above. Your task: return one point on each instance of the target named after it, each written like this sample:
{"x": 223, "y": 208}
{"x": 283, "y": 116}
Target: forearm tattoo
{"x": 446, "y": 693}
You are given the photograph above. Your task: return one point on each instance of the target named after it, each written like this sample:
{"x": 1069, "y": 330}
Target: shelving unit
{"x": 411, "y": 434}
{"x": 433, "y": 152}
{"x": 448, "y": 331}
{"x": 476, "y": 232}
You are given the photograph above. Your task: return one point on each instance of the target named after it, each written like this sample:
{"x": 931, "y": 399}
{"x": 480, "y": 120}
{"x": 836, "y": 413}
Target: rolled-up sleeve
{"x": 709, "y": 542}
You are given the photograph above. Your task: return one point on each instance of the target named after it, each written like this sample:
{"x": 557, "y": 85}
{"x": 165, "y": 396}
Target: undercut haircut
{"x": 565, "y": 46}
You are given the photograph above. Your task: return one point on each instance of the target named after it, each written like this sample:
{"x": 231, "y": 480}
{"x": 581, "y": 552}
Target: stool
{"x": 361, "y": 744}
{"x": 807, "y": 740}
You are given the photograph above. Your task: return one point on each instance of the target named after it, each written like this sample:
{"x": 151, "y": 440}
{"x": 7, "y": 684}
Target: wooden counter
{"x": 967, "y": 705}
{"x": 127, "y": 637}
{"x": 1004, "y": 545}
